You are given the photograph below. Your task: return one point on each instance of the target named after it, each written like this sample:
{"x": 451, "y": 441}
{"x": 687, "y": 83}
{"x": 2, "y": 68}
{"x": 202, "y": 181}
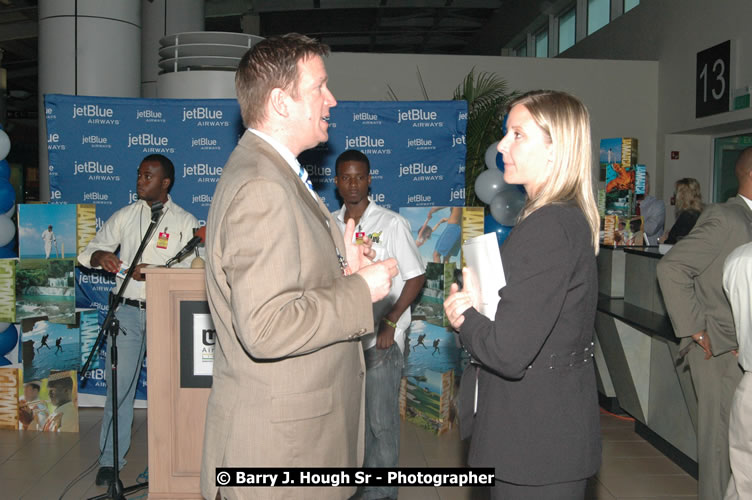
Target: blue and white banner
{"x": 95, "y": 145}
{"x": 416, "y": 150}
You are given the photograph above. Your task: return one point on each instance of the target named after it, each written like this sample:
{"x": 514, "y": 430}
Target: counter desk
{"x": 636, "y": 353}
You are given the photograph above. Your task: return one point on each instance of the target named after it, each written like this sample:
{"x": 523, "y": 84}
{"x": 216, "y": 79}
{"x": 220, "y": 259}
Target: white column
{"x": 86, "y": 47}
{"x": 160, "y": 18}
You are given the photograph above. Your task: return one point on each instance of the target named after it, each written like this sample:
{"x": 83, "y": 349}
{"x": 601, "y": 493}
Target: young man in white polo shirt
{"x": 391, "y": 237}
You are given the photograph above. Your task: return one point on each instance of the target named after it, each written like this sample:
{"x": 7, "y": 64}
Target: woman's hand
{"x": 460, "y": 301}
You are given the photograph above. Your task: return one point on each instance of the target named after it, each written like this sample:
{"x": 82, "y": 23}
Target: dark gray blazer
{"x": 538, "y": 419}
{"x": 691, "y": 274}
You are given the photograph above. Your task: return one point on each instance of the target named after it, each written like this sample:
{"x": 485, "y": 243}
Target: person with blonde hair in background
{"x": 532, "y": 383}
{"x": 689, "y": 205}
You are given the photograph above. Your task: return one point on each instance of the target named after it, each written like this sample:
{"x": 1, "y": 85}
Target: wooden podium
{"x": 176, "y": 414}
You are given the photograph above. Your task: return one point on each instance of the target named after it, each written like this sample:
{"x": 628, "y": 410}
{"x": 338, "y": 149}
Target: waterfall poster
{"x": 46, "y": 288}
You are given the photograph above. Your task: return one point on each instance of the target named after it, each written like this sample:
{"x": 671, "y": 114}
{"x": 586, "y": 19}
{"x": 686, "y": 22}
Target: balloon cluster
{"x": 504, "y": 200}
{"x": 7, "y": 201}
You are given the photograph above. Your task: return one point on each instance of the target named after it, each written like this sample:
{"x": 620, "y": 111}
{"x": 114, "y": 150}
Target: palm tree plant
{"x": 487, "y": 97}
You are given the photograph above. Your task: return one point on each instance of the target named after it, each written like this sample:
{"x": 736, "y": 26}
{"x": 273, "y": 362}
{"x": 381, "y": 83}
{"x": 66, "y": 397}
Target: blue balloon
{"x": 4, "y": 169}
{"x": 8, "y": 341}
{"x": 7, "y": 196}
{"x": 11, "y": 244}
{"x": 7, "y": 253}
{"x": 500, "y": 161}
{"x": 491, "y": 226}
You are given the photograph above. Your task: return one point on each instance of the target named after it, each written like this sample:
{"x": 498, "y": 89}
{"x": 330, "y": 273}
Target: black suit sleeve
{"x": 683, "y": 225}
{"x": 538, "y": 263}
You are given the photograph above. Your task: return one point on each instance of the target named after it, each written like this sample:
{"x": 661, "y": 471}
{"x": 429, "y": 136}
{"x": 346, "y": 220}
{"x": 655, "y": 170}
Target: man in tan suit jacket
{"x": 691, "y": 279}
{"x": 288, "y": 297}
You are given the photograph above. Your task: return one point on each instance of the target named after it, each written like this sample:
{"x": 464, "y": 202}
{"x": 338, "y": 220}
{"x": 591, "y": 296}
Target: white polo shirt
{"x": 392, "y": 237}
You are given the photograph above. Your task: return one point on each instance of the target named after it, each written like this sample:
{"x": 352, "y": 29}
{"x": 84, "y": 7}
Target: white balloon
{"x": 488, "y": 184}
{"x": 490, "y": 157}
{"x": 7, "y": 230}
{"x": 506, "y": 206}
{"x": 11, "y": 211}
{"x": 4, "y": 144}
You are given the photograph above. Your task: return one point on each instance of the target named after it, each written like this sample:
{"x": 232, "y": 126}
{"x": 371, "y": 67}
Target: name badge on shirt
{"x": 162, "y": 240}
{"x": 359, "y": 237}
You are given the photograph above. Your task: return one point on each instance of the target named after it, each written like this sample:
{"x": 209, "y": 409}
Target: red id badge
{"x": 162, "y": 240}
{"x": 359, "y": 237}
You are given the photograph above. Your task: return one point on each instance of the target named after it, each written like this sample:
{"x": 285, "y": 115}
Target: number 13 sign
{"x": 713, "y": 80}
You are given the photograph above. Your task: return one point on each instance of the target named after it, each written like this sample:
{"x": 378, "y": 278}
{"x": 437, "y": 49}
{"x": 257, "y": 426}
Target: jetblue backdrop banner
{"x": 95, "y": 144}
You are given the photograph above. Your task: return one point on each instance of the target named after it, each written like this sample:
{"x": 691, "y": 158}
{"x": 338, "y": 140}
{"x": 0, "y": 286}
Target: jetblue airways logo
{"x": 457, "y": 194}
{"x": 204, "y": 143}
{"x": 363, "y": 141}
{"x": 96, "y": 141}
{"x": 367, "y": 144}
{"x": 147, "y": 140}
{"x": 418, "y": 168}
{"x": 457, "y": 140}
{"x": 149, "y": 115}
{"x": 95, "y": 196}
{"x": 53, "y": 143}
{"x": 419, "y": 198}
{"x": 150, "y": 143}
{"x": 95, "y": 170}
{"x": 95, "y": 114}
{"x": 204, "y": 172}
{"x": 203, "y": 199}
{"x": 419, "y": 117}
{"x": 420, "y": 143}
{"x": 366, "y": 118}
{"x": 205, "y": 117}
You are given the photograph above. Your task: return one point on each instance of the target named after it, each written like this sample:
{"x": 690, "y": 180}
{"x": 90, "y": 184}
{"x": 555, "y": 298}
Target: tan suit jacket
{"x": 288, "y": 369}
{"x": 691, "y": 274}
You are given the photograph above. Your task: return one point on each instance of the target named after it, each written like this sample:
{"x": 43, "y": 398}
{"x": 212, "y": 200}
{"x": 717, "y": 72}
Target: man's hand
{"x": 106, "y": 260}
{"x": 460, "y": 301}
{"x": 138, "y": 274}
{"x": 379, "y": 276}
{"x": 385, "y": 337}
{"x": 357, "y": 255}
{"x": 704, "y": 341}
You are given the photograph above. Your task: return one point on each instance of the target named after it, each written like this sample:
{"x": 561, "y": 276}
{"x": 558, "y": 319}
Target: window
{"x": 566, "y": 29}
{"x": 541, "y": 44}
{"x": 598, "y": 13}
{"x": 521, "y": 50}
{"x": 630, "y": 4}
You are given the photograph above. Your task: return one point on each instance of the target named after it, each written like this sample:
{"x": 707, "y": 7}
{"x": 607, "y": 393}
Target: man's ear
{"x": 278, "y": 101}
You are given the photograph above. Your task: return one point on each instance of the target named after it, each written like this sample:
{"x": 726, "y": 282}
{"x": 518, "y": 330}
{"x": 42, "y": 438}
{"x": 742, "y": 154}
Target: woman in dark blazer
{"x": 689, "y": 205}
{"x": 537, "y": 417}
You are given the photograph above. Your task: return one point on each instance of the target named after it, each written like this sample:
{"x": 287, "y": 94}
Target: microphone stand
{"x": 111, "y": 326}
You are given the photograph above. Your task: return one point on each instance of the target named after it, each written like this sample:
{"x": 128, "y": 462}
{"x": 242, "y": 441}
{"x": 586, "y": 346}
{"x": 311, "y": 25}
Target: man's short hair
{"x": 168, "y": 169}
{"x": 352, "y": 155}
{"x": 34, "y": 385}
{"x": 270, "y": 64}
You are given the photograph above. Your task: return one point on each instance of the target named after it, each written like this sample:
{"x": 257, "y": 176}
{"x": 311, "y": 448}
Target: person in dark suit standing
{"x": 691, "y": 280}
{"x": 537, "y": 420}
{"x": 290, "y": 298}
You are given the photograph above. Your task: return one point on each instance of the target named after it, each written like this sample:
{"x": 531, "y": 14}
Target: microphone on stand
{"x": 189, "y": 247}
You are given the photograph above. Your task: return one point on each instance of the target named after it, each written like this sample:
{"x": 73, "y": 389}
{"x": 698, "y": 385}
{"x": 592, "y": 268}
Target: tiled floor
{"x": 36, "y": 465}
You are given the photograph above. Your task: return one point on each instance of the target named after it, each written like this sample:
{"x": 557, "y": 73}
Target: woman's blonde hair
{"x": 688, "y": 195}
{"x": 566, "y": 123}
